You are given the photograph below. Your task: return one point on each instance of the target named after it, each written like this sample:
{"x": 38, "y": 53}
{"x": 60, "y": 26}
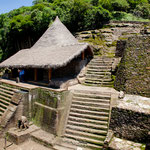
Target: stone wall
{"x": 120, "y": 48}
{"x": 133, "y": 74}
{"x": 130, "y": 125}
{"x": 47, "y": 109}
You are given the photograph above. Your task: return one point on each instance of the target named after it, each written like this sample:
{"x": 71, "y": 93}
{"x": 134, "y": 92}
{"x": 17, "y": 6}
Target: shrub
{"x": 142, "y": 10}
{"x": 120, "y": 5}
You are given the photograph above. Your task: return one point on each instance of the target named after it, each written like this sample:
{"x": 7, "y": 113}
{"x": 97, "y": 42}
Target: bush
{"x": 106, "y": 4}
{"x": 96, "y": 17}
{"x": 134, "y": 3}
{"x": 142, "y": 10}
{"x": 120, "y": 5}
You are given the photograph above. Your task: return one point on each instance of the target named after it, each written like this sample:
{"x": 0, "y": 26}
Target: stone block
{"x": 16, "y": 136}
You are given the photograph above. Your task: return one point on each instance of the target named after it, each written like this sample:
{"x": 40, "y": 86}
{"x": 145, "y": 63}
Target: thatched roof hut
{"x": 56, "y": 48}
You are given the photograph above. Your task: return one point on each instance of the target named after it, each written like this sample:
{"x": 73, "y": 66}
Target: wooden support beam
{"x": 35, "y": 74}
{"x": 49, "y": 74}
{"x": 83, "y": 55}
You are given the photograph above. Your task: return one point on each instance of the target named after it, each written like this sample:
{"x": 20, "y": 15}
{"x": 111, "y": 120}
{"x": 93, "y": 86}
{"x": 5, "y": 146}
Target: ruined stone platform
{"x": 43, "y": 138}
{"x": 19, "y": 85}
{"x": 16, "y": 136}
{"x": 92, "y": 88}
{"x": 135, "y": 103}
{"x": 121, "y": 144}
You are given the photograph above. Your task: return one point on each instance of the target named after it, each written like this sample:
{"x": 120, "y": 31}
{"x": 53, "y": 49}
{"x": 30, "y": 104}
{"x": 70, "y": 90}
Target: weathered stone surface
{"x": 16, "y": 98}
{"x": 121, "y": 144}
{"x": 16, "y": 136}
{"x": 130, "y": 119}
{"x": 132, "y": 76}
{"x": 28, "y": 145}
{"x": 43, "y": 137}
{"x": 120, "y": 48}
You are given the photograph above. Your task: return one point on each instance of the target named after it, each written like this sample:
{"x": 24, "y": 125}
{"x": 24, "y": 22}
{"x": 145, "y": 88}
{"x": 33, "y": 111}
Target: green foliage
{"x": 134, "y": 3}
{"x": 95, "y": 2}
{"x": 22, "y": 27}
{"x": 96, "y": 17}
{"x": 106, "y": 4}
{"x": 123, "y": 16}
{"x": 142, "y": 10}
{"x": 120, "y": 5}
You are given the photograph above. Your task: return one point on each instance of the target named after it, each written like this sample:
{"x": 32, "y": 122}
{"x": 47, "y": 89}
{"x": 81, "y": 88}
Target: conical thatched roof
{"x": 54, "y": 49}
{"x": 56, "y": 34}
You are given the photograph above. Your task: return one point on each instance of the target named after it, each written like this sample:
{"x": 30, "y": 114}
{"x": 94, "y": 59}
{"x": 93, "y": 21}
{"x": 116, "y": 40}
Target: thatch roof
{"x": 54, "y": 49}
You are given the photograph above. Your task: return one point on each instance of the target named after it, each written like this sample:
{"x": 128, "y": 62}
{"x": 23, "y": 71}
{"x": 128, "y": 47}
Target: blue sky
{"x": 8, "y": 5}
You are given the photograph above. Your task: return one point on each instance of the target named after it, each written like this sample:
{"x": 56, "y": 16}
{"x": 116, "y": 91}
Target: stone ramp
{"x": 99, "y": 72}
{"x": 88, "y": 119}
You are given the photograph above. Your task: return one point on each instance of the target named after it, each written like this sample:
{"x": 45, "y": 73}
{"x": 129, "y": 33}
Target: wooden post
{"x": 35, "y": 74}
{"x": 83, "y": 56}
{"x": 49, "y": 74}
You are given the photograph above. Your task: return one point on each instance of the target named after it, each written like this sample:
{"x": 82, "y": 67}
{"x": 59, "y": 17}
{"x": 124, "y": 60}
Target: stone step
{"x": 98, "y": 69}
{"x": 107, "y": 63}
{"x": 93, "y": 100}
{"x": 90, "y": 95}
{"x": 92, "y": 108}
{"x": 96, "y": 72}
{"x": 7, "y": 88}
{"x": 88, "y": 125}
{"x": 65, "y": 145}
{"x": 85, "y": 134}
{"x": 6, "y": 91}
{"x": 98, "y": 80}
{"x": 102, "y": 59}
{"x": 103, "y": 76}
{"x": 90, "y": 104}
{"x": 5, "y": 94}
{"x": 4, "y": 101}
{"x": 85, "y": 139}
{"x": 102, "y": 118}
{"x": 84, "y": 111}
{"x": 2, "y": 109}
{"x": 93, "y": 92}
{"x": 3, "y": 105}
{"x": 43, "y": 137}
{"x": 85, "y": 146}
{"x": 98, "y": 85}
{"x": 1, "y": 113}
{"x": 98, "y": 122}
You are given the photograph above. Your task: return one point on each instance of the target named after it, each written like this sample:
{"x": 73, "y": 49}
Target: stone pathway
{"x": 29, "y": 145}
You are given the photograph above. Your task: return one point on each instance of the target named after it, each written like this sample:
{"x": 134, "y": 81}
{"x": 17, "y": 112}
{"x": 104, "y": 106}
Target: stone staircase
{"x": 88, "y": 119}
{"x": 7, "y": 105}
{"x": 99, "y": 72}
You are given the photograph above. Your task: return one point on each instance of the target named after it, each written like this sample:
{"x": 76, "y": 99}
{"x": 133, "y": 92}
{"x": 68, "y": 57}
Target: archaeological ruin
{"x": 90, "y": 91}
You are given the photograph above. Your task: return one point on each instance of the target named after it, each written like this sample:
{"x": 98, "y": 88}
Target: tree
{"x": 134, "y": 3}
{"x": 96, "y": 17}
{"x": 142, "y": 10}
{"x": 95, "y": 2}
{"x": 120, "y": 5}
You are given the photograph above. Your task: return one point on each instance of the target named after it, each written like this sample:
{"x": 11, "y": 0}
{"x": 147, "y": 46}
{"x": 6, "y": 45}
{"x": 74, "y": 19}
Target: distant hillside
{"x": 22, "y": 27}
